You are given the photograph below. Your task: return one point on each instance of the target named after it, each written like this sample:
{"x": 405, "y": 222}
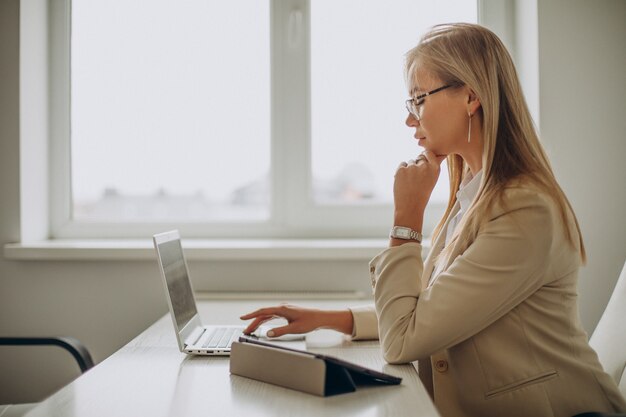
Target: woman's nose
{"x": 411, "y": 121}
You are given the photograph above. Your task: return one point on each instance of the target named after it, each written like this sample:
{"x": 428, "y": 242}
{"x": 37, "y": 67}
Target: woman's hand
{"x": 300, "y": 320}
{"x": 413, "y": 185}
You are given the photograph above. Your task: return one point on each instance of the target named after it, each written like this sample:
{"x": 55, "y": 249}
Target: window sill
{"x": 200, "y": 249}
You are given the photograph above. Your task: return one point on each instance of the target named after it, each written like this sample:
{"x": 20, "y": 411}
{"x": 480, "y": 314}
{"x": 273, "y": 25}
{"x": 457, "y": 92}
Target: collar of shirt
{"x": 465, "y": 195}
{"x": 468, "y": 190}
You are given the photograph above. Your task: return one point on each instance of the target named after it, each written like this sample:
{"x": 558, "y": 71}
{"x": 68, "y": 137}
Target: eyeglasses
{"x": 415, "y": 105}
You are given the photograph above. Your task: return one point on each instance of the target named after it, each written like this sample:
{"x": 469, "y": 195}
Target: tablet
{"x": 360, "y": 374}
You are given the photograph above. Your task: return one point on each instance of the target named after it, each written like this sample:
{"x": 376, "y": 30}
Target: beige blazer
{"x": 497, "y": 332}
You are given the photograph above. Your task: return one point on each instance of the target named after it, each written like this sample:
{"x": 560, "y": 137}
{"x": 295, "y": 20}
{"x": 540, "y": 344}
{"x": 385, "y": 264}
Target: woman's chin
{"x": 427, "y": 146}
{"x": 432, "y": 149}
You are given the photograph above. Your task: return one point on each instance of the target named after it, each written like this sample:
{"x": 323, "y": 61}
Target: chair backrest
{"x": 609, "y": 337}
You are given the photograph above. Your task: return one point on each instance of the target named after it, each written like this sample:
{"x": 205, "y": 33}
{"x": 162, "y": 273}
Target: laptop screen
{"x": 177, "y": 279}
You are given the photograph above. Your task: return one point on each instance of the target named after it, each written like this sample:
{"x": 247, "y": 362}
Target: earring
{"x": 469, "y": 128}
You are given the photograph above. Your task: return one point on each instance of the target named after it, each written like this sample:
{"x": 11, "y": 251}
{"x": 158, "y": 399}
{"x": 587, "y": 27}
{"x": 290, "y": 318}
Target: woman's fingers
{"x": 267, "y": 311}
{"x": 413, "y": 185}
{"x": 262, "y": 315}
{"x": 300, "y": 320}
{"x": 279, "y": 331}
{"x": 256, "y": 323}
{"x": 427, "y": 157}
{"x": 432, "y": 158}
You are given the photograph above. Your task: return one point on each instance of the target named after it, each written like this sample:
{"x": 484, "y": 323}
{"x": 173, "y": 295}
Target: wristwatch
{"x": 406, "y": 233}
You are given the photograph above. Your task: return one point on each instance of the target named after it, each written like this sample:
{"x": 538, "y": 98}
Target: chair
{"x": 73, "y": 346}
{"x": 609, "y": 339}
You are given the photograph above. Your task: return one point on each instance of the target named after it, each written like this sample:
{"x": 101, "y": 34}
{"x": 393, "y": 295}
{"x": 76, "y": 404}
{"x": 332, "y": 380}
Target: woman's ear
{"x": 473, "y": 102}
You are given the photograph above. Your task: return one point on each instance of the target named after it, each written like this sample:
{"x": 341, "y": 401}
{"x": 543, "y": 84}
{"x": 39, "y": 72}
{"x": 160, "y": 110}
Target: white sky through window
{"x": 358, "y": 90}
{"x": 169, "y": 97}
{"x": 171, "y": 101}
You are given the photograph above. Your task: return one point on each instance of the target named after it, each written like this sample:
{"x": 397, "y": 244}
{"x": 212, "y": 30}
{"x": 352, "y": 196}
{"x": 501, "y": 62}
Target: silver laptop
{"x": 193, "y": 337}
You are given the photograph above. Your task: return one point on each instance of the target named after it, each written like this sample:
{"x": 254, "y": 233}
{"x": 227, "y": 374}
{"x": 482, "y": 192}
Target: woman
{"x": 491, "y": 314}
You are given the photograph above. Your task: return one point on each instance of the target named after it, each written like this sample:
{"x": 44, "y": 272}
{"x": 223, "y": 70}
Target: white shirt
{"x": 465, "y": 196}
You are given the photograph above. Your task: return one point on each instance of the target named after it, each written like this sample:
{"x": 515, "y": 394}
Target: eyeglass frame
{"x": 412, "y": 102}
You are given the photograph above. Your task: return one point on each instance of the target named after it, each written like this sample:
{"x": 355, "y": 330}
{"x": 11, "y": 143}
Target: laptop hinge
{"x": 195, "y": 335}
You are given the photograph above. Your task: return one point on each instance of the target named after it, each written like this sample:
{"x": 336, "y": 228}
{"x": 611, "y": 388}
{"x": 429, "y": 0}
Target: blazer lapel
{"x": 424, "y": 368}
{"x": 437, "y": 247}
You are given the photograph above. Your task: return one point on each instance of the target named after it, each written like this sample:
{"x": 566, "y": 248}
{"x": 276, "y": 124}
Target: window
{"x": 357, "y": 59}
{"x": 170, "y": 111}
{"x": 241, "y": 118}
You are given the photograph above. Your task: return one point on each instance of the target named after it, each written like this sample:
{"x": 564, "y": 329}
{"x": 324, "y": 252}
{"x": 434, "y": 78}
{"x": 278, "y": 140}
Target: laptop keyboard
{"x": 222, "y": 337}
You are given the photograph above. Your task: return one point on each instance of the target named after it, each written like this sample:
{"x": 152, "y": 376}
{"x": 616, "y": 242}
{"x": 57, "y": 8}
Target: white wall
{"x": 582, "y": 62}
{"x": 582, "y": 102}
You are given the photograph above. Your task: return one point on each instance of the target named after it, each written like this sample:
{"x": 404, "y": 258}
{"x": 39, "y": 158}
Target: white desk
{"x": 150, "y": 377}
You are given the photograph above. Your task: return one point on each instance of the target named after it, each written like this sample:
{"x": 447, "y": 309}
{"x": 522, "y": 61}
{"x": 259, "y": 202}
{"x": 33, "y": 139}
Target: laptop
{"x": 193, "y": 336}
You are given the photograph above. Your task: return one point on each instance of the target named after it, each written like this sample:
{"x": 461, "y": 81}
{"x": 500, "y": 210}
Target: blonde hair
{"x": 471, "y": 55}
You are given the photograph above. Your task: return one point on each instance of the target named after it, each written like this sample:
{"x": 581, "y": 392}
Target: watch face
{"x": 403, "y": 232}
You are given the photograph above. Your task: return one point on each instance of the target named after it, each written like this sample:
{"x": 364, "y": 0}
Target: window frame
{"x": 293, "y": 213}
